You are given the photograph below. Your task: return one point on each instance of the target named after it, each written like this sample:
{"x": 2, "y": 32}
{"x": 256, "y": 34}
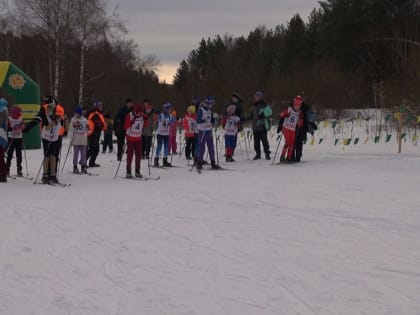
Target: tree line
{"x": 349, "y": 54}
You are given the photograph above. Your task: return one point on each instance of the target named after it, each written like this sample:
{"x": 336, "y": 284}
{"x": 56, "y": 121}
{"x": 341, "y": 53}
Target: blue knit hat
{"x": 3, "y": 103}
{"x": 97, "y": 104}
{"x": 259, "y": 94}
{"x": 79, "y": 110}
{"x": 167, "y": 106}
{"x": 210, "y": 100}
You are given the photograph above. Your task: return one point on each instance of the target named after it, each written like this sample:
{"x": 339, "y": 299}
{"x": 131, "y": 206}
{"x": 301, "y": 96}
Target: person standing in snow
{"x": 148, "y": 130}
{"x": 4, "y": 119}
{"x": 308, "y": 126}
{"x": 205, "y": 123}
{"x": 119, "y": 126}
{"x": 190, "y": 124}
{"x": 165, "y": 120}
{"x": 52, "y": 122}
{"x": 134, "y": 123}
{"x": 97, "y": 124}
{"x": 15, "y": 127}
{"x": 79, "y": 134}
{"x": 261, "y": 125}
{"x": 290, "y": 119}
{"x": 231, "y": 123}
{"x": 108, "y": 144}
{"x": 173, "y": 146}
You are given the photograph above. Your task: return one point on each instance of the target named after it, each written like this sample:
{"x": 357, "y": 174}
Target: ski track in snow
{"x": 337, "y": 234}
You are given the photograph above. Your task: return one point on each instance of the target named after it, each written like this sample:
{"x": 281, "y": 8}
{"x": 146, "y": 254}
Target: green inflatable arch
{"x": 26, "y": 94}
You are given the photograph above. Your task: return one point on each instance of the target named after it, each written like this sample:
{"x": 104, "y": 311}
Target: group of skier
{"x": 138, "y": 128}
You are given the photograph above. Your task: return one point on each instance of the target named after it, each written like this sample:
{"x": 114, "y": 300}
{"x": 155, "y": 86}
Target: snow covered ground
{"x": 337, "y": 234}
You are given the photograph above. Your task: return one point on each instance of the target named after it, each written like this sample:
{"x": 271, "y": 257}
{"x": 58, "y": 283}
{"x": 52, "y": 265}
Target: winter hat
{"x": 49, "y": 99}
{"x": 196, "y": 100}
{"x": 15, "y": 112}
{"x": 98, "y": 105}
{"x": 79, "y": 110}
{"x": 191, "y": 109}
{"x": 129, "y": 100}
{"x": 231, "y": 109}
{"x": 297, "y": 102}
{"x": 138, "y": 109}
{"x": 3, "y": 103}
{"x": 236, "y": 95}
{"x": 210, "y": 100}
{"x": 167, "y": 107}
{"x": 259, "y": 94}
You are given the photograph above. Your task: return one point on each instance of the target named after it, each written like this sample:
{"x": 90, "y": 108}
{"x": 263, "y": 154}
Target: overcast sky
{"x": 172, "y": 28}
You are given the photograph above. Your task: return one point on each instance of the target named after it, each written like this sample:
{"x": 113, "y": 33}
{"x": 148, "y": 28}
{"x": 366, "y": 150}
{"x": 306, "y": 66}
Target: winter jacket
{"x": 261, "y": 116}
{"x": 79, "y": 129}
{"x": 96, "y": 121}
{"x": 205, "y": 119}
{"x": 231, "y": 124}
{"x": 120, "y": 119}
{"x": 291, "y": 118}
{"x": 165, "y": 120}
{"x": 4, "y": 117}
{"x": 134, "y": 127}
{"x": 51, "y": 124}
{"x": 151, "y": 124}
{"x": 15, "y": 127}
{"x": 190, "y": 125}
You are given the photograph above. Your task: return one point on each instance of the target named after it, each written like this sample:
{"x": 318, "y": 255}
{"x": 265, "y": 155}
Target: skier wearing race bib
{"x": 165, "y": 120}
{"x": 134, "y": 124}
{"x": 97, "y": 124}
{"x": 52, "y": 123}
{"x": 231, "y": 123}
{"x": 190, "y": 127}
{"x": 291, "y": 118}
{"x": 79, "y": 129}
{"x": 205, "y": 121}
{"x": 15, "y": 127}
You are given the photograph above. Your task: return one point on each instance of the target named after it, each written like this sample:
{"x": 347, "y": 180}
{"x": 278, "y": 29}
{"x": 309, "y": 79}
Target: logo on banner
{"x": 17, "y": 81}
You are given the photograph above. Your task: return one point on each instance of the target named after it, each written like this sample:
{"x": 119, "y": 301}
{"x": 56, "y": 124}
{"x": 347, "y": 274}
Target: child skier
{"x": 15, "y": 127}
{"x": 190, "y": 125}
{"x": 231, "y": 123}
{"x": 290, "y": 118}
{"x": 134, "y": 123}
{"x": 165, "y": 121}
{"x": 205, "y": 122}
{"x": 52, "y": 122}
{"x": 79, "y": 134}
{"x": 108, "y": 134}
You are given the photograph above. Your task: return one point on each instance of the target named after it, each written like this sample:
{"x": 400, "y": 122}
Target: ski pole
{"x": 217, "y": 147}
{"x": 151, "y": 153}
{"x": 43, "y": 161}
{"x": 277, "y": 149}
{"x": 119, "y": 163}
{"x": 246, "y": 146}
{"x": 68, "y": 152}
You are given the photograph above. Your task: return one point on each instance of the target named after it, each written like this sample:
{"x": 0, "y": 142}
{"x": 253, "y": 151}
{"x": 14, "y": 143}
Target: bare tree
{"x": 53, "y": 18}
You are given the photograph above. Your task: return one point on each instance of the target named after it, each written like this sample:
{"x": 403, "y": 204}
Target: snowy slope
{"x": 337, "y": 234}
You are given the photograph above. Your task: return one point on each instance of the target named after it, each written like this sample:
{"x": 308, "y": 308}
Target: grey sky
{"x": 172, "y": 28}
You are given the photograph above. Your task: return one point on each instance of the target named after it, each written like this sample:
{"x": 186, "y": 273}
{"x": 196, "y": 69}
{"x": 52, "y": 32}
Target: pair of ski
{"x": 141, "y": 179}
{"x": 87, "y": 174}
{"x": 50, "y": 183}
{"x": 20, "y": 177}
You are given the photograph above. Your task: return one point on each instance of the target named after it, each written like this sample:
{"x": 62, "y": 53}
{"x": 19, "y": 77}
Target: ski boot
{"x": 19, "y": 173}
{"x": 93, "y": 165}
{"x": 54, "y": 180}
{"x": 214, "y": 166}
{"x": 138, "y": 174}
{"x": 257, "y": 157}
{"x": 75, "y": 169}
{"x": 45, "y": 179}
{"x": 128, "y": 175}
{"x": 166, "y": 163}
{"x": 282, "y": 159}
{"x": 156, "y": 163}
{"x": 84, "y": 169}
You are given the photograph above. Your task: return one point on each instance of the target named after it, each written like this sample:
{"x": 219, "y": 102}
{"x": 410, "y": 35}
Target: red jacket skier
{"x": 292, "y": 118}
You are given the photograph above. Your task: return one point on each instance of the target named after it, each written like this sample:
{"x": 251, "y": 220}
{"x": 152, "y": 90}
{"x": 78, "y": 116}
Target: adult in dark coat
{"x": 308, "y": 126}
{"x": 119, "y": 126}
{"x": 261, "y": 114}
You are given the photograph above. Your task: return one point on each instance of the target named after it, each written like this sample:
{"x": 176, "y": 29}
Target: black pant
{"x": 147, "y": 145}
{"x": 120, "y": 143}
{"x": 190, "y": 144}
{"x": 14, "y": 145}
{"x": 301, "y": 137}
{"x": 93, "y": 146}
{"x": 51, "y": 151}
{"x": 107, "y": 143}
{"x": 261, "y": 136}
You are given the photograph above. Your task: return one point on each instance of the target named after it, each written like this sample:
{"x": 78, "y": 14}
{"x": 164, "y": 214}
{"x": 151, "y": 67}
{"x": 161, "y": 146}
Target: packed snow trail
{"x": 337, "y": 234}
